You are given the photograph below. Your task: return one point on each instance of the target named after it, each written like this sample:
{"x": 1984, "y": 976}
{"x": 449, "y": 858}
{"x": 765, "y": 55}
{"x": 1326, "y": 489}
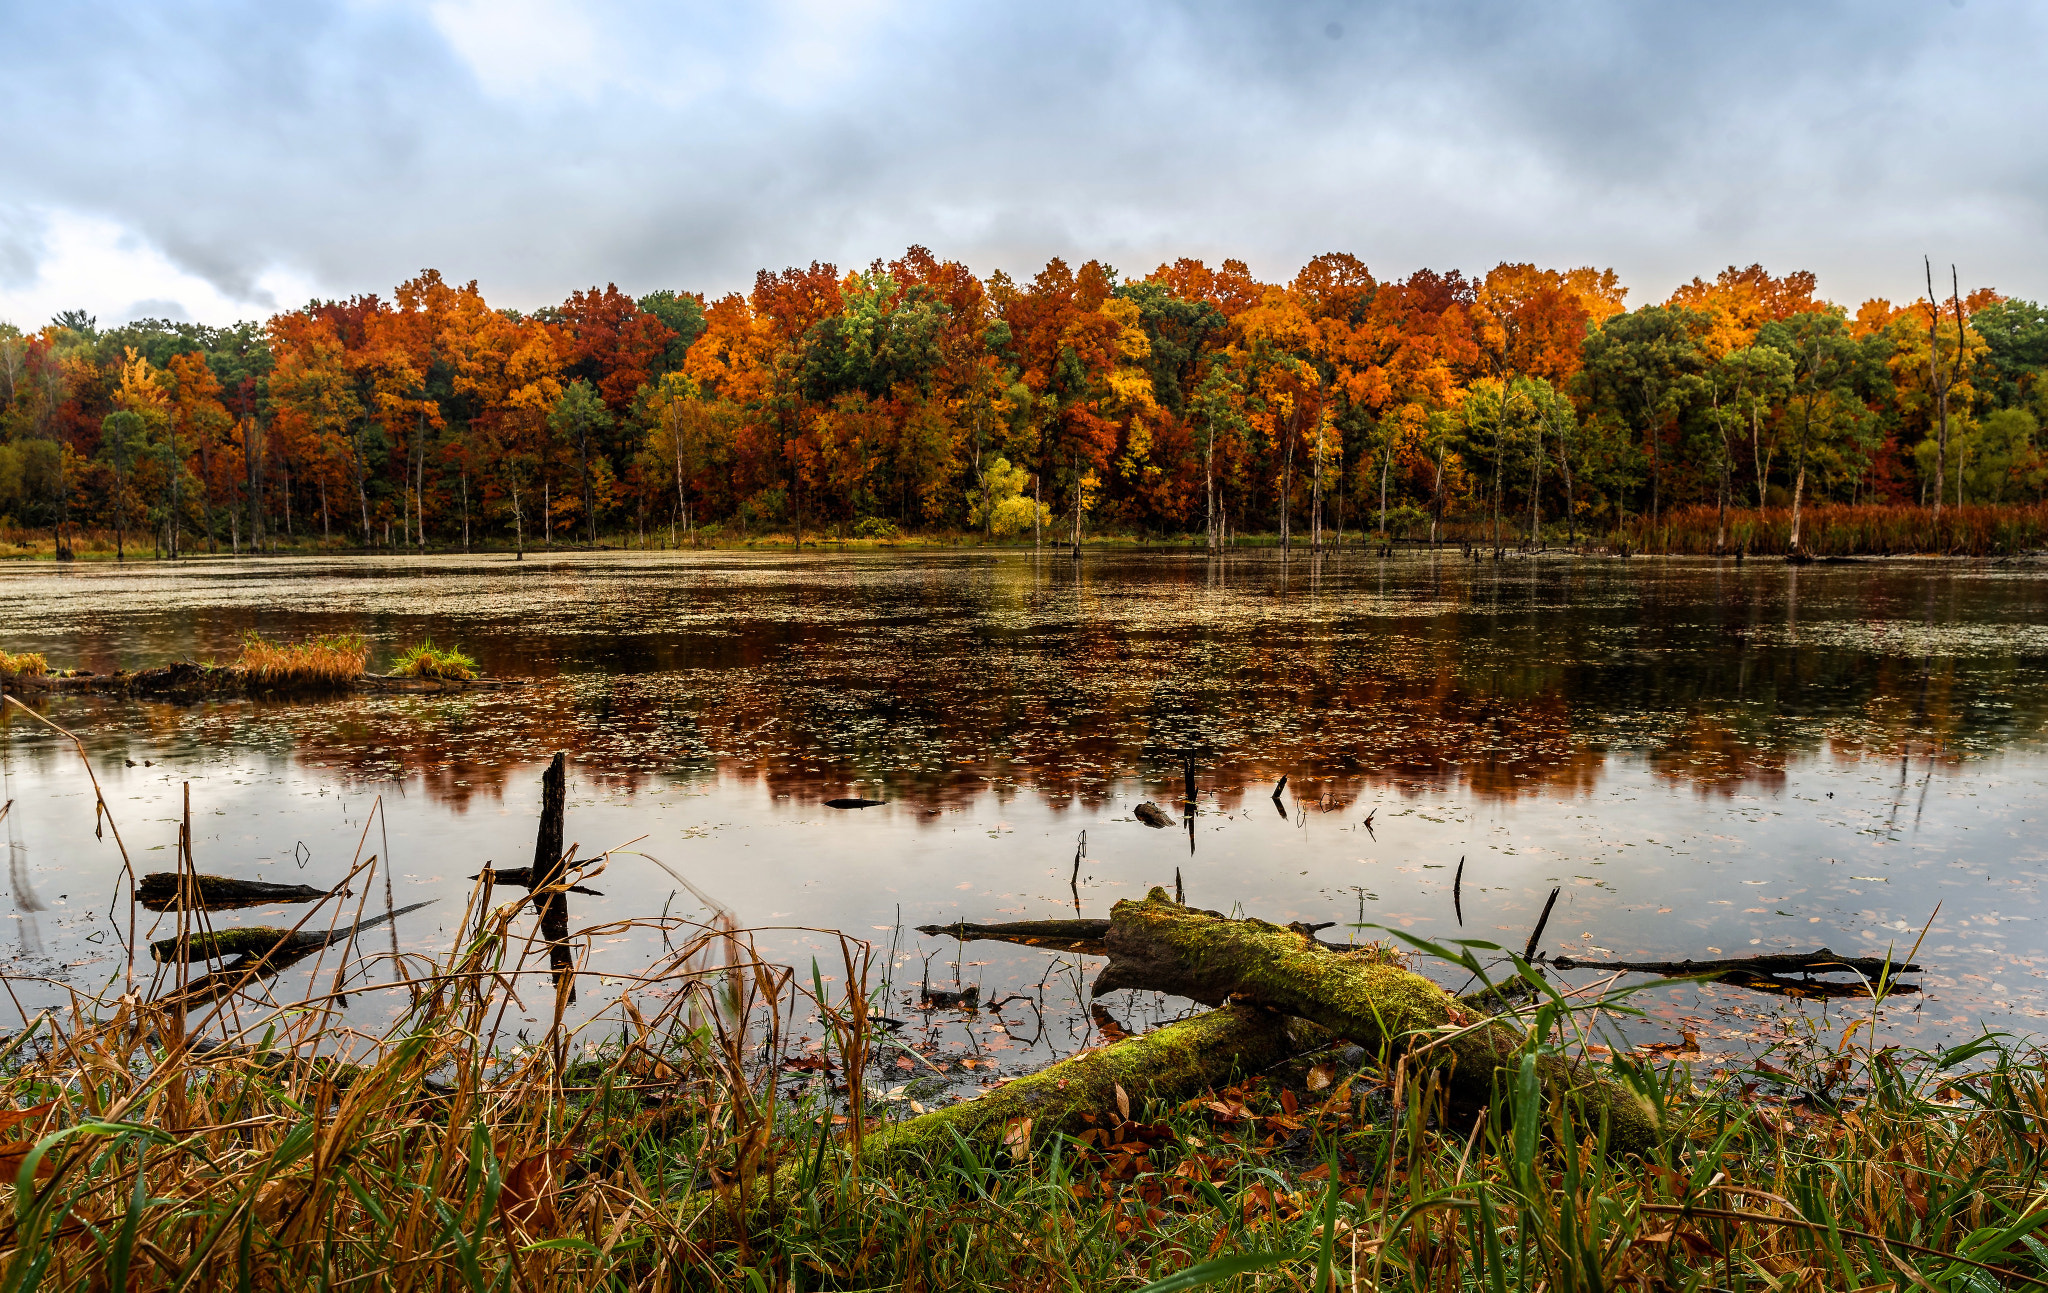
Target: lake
{"x": 1706, "y": 759}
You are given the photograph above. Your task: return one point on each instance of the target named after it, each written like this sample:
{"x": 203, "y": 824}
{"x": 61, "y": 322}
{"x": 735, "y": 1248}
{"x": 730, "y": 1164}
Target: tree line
{"x": 915, "y": 396}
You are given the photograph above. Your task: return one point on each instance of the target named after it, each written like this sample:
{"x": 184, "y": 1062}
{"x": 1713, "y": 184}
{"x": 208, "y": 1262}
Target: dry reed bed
{"x": 1975, "y": 530}
{"x": 263, "y": 1141}
{"x": 332, "y": 661}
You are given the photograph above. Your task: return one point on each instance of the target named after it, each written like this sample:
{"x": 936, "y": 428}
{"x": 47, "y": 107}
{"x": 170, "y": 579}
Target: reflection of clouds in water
{"x": 25, "y": 899}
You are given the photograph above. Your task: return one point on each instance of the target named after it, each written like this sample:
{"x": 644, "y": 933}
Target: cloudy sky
{"x": 221, "y": 161}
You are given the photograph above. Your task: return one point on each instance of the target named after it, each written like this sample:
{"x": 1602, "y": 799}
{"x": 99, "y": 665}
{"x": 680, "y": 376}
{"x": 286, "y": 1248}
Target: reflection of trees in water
{"x": 1012, "y": 722}
{"x": 937, "y": 683}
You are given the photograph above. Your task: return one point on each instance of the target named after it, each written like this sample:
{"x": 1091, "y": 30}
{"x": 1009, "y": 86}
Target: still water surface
{"x": 1709, "y": 759}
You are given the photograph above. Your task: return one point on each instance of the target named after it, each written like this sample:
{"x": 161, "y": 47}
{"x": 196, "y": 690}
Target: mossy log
{"x": 265, "y": 940}
{"x": 160, "y": 891}
{"x": 1168, "y": 1064}
{"x": 1083, "y": 937}
{"x": 261, "y": 941}
{"x": 259, "y": 952}
{"x": 1159, "y": 945}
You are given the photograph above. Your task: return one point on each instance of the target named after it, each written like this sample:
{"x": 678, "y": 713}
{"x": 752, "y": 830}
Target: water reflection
{"x": 1706, "y": 757}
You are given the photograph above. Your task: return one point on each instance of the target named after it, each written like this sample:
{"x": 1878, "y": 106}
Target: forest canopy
{"x": 914, "y": 395}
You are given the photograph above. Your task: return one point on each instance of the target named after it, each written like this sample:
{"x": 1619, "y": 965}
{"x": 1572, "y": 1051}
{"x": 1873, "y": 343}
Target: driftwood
{"x": 1158, "y": 945}
{"x": 1769, "y": 972}
{"x": 854, "y": 803}
{"x": 1082, "y": 936}
{"x": 1153, "y": 815}
{"x": 1820, "y": 962}
{"x": 259, "y": 952}
{"x": 161, "y": 891}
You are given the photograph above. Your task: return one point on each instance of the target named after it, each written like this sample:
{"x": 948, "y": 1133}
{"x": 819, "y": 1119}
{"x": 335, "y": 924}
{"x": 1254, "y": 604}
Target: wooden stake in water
{"x": 1536, "y": 935}
{"x": 547, "y": 870}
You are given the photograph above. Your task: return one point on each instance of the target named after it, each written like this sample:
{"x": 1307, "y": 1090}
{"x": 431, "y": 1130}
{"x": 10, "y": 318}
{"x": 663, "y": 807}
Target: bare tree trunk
{"x": 1287, "y": 486}
{"x": 1077, "y": 510}
{"x": 1943, "y": 381}
{"x": 1315, "y": 515}
{"x": 1564, "y": 459}
{"x": 1799, "y": 478}
{"x": 1209, "y": 483}
{"x": 206, "y": 494}
{"x": 1436, "y": 495}
{"x": 171, "y": 532}
{"x": 363, "y": 487}
{"x": 589, "y": 493}
{"x": 1386, "y": 465}
{"x": 518, "y": 521}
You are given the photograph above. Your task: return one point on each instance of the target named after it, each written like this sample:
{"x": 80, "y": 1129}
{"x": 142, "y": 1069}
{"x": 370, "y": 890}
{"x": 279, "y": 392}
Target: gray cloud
{"x": 354, "y": 143}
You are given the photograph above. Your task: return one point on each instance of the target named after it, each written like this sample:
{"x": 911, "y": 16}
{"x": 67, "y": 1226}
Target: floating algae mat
{"x": 1705, "y": 761}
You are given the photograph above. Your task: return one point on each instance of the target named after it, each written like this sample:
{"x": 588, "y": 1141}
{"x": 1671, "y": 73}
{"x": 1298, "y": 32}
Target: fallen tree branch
{"x": 260, "y": 952}
{"x": 1081, "y": 936}
{"x": 1158, "y": 945}
{"x": 1820, "y": 962}
{"x": 161, "y": 891}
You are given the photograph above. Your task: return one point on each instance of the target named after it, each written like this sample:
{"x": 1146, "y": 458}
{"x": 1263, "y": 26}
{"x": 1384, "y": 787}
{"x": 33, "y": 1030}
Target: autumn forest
{"x": 914, "y": 397}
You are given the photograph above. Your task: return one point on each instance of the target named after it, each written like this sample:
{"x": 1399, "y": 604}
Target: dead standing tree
{"x": 1942, "y": 379}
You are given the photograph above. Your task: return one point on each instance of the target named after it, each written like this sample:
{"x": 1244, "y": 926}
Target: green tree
{"x": 2016, "y": 336}
{"x": 1645, "y": 368}
{"x": 880, "y": 339}
{"x": 578, "y": 413}
{"x": 999, "y": 505}
{"x": 1741, "y": 388}
{"x": 124, "y": 438}
{"x": 1825, "y": 362}
{"x": 682, "y": 314}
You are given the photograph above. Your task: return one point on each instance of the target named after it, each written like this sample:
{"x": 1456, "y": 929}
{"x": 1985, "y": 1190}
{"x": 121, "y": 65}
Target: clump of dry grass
{"x": 25, "y": 664}
{"x": 425, "y": 660}
{"x": 332, "y": 661}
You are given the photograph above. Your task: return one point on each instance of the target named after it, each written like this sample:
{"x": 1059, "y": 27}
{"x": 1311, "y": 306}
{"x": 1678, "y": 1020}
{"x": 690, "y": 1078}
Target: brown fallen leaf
{"x": 1322, "y": 1075}
{"x": 1123, "y": 1103}
{"x": 527, "y": 1200}
{"x": 1017, "y": 1138}
{"x": 12, "y": 1154}
{"x": 12, "y": 1118}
